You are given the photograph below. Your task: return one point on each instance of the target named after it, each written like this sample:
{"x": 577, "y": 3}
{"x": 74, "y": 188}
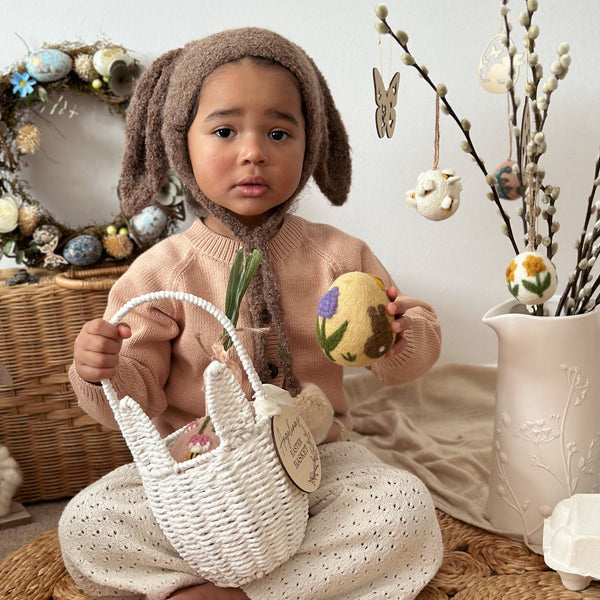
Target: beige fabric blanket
{"x": 439, "y": 427}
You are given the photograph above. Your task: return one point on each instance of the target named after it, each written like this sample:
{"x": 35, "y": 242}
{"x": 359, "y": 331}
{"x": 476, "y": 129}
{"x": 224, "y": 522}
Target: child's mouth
{"x": 251, "y": 188}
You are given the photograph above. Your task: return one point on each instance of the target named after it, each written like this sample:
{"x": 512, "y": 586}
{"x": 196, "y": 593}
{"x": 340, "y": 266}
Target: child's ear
{"x": 333, "y": 171}
{"x": 145, "y": 164}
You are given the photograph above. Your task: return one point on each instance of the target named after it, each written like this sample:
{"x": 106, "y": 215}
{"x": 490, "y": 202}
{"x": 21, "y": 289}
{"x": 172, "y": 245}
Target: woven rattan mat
{"x": 477, "y": 565}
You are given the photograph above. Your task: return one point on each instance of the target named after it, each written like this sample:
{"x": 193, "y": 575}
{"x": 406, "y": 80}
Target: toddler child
{"x": 245, "y": 119}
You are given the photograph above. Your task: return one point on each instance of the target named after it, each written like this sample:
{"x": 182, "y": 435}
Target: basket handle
{"x": 89, "y": 280}
{"x": 130, "y": 416}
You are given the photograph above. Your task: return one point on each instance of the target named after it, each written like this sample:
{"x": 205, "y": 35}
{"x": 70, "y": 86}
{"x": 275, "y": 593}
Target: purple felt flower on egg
{"x": 328, "y": 303}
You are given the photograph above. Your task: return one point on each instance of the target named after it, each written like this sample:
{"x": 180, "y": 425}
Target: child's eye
{"x": 279, "y": 135}
{"x": 224, "y": 132}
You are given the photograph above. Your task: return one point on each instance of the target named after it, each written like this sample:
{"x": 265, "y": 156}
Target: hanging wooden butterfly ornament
{"x": 385, "y": 115}
{"x": 386, "y": 99}
{"x": 437, "y": 194}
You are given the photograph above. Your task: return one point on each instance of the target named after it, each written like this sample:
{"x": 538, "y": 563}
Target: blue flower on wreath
{"x": 23, "y": 84}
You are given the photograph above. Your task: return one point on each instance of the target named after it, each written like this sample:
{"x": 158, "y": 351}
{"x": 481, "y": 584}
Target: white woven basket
{"x": 232, "y": 514}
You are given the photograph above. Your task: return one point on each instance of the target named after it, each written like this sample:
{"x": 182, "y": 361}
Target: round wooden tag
{"x": 296, "y": 449}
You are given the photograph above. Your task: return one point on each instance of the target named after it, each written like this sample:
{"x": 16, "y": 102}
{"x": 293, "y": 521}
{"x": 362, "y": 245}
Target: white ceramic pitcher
{"x": 547, "y": 422}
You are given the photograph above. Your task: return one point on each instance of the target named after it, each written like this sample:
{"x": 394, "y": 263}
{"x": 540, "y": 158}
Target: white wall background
{"x": 458, "y": 265}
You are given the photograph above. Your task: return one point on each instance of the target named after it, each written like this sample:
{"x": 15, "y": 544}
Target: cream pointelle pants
{"x": 372, "y": 533}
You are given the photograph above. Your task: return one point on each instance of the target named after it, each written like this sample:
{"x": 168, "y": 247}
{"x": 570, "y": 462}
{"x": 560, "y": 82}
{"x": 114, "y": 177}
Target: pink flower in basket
{"x": 199, "y": 443}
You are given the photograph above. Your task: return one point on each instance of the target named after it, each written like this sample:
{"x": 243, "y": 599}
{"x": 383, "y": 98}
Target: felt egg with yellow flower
{"x": 531, "y": 278}
{"x": 353, "y": 327}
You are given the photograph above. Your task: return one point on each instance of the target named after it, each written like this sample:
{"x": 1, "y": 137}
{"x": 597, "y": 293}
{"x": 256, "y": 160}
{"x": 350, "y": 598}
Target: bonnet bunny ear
{"x": 333, "y": 170}
{"x": 145, "y": 164}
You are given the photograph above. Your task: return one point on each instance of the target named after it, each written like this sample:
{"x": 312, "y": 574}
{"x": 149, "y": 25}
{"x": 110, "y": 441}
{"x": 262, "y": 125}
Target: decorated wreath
{"x": 28, "y": 232}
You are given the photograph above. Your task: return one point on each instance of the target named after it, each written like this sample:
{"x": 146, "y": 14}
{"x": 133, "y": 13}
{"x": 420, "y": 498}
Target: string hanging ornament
{"x": 437, "y": 194}
{"x": 386, "y": 99}
{"x": 531, "y": 276}
{"x": 495, "y": 71}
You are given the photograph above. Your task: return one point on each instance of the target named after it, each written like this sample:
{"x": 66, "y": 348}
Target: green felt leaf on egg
{"x": 330, "y": 342}
{"x": 538, "y": 287}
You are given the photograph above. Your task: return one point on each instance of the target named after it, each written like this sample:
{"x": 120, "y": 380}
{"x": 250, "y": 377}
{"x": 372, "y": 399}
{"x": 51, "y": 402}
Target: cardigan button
{"x": 273, "y": 369}
{"x": 266, "y": 317}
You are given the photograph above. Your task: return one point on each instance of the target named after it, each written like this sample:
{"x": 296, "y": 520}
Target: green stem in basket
{"x": 239, "y": 279}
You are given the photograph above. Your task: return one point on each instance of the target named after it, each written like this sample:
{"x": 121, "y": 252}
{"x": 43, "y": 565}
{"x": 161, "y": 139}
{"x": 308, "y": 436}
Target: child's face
{"x": 246, "y": 143}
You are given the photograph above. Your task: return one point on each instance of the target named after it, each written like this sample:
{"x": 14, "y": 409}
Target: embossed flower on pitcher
{"x": 538, "y": 432}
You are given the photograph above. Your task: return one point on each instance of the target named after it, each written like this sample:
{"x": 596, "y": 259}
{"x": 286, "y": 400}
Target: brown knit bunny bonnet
{"x": 158, "y": 118}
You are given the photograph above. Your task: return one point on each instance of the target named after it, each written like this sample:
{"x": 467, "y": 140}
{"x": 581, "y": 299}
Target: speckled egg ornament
{"x": 508, "y": 186}
{"x": 437, "y": 194}
{"x": 83, "y": 250}
{"x": 149, "y": 224}
{"x": 353, "y": 327}
{"x": 531, "y": 278}
{"x": 48, "y": 65}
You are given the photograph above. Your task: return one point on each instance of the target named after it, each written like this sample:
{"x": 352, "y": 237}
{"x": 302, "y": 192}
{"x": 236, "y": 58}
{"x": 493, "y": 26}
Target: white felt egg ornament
{"x": 437, "y": 194}
{"x": 353, "y": 327}
{"x": 531, "y": 278}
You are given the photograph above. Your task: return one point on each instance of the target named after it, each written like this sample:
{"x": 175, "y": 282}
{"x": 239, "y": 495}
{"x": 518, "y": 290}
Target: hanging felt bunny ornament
{"x": 232, "y": 513}
{"x": 437, "y": 194}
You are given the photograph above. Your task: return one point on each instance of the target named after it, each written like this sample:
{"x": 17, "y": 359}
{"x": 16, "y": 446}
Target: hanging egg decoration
{"x": 494, "y": 65}
{"x": 437, "y": 194}
{"x": 148, "y": 224}
{"x": 83, "y": 250}
{"x": 508, "y": 186}
{"x": 531, "y": 278}
{"x": 48, "y": 64}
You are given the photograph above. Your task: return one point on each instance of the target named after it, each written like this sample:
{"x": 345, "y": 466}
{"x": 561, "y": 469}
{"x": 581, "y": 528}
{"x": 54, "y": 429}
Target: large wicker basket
{"x": 59, "y": 448}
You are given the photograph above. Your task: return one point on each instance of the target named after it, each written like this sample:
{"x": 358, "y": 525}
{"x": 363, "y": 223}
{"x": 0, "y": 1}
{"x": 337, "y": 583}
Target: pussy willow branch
{"x": 472, "y": 151}
{"x": 585, "y": 250}
{"x": 514, "y": 106}
{"x": 539, "y": 115}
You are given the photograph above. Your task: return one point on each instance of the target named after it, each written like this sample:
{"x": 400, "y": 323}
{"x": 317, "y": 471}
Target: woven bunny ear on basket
{"x": 232, "y": 513}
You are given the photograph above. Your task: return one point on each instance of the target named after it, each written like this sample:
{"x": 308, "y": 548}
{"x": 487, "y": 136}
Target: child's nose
{"x": 253, "y": 150}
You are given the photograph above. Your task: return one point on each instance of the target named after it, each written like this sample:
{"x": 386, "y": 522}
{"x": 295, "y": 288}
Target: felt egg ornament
{"x": 508, "y": 186}
{"x": 48, "y": 65}
{"x": 437, "y": 194}
{"x": 531, "y": 278}
{"x": 353, "y": 327}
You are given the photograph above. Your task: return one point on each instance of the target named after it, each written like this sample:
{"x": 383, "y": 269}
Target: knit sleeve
{"x": 145, "y": 358}
{"x": 424, "y": 343}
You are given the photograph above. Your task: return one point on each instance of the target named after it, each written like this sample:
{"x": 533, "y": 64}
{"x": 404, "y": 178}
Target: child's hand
{"x": 400, "y": 324}
{"x": 96, "y": 349}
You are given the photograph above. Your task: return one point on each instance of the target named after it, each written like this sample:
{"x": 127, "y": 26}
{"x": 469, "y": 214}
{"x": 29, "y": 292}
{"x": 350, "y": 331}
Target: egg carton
{"x": 571, "y": 540}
